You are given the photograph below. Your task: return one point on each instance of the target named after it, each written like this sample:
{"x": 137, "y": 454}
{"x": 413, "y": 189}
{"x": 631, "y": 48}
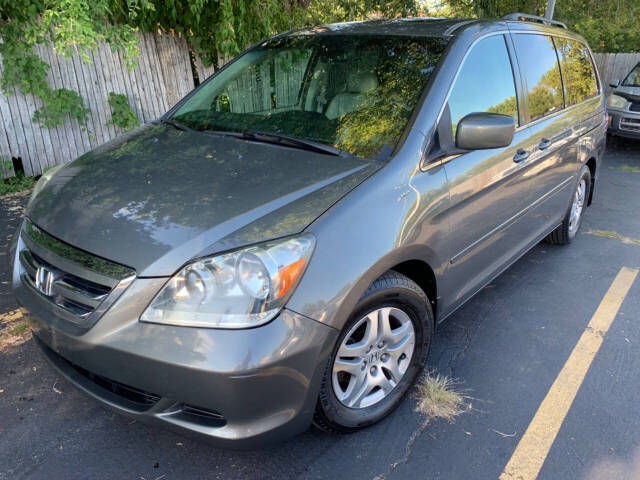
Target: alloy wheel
{"x": 577, "y": 207}
{"x": 373, "y": 357}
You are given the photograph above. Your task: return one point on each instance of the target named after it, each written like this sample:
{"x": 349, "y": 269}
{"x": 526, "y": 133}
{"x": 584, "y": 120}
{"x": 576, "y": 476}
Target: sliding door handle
{"x": 521, "y": 155}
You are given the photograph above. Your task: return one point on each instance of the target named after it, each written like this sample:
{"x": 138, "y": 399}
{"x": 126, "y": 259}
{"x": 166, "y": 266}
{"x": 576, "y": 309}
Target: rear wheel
{"x": 380, "y": 351}
{"x": 569, "y": 227}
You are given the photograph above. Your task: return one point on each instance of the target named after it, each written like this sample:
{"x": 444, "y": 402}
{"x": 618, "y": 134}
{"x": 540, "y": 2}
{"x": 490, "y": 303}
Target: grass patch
{"x": 628, "y": 168}
{"x": 14, "y": 329}
{"x": 16, "y": 184}
{"x": 614, "y": 235}
{"x": 19, "y": 329}
{"x": 439, "y": 397}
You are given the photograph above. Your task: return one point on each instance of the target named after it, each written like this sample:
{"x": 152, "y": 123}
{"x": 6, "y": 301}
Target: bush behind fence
{"x": 162, "y": 76}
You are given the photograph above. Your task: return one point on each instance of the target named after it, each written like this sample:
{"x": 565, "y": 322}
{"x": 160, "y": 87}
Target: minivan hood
{"x": 632, "y": 93}
{"x": 158, "y": 197}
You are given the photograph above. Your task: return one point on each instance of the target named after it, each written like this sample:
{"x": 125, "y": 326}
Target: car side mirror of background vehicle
{"x": 614, "y": 83}
{"x": 480, "y": 131}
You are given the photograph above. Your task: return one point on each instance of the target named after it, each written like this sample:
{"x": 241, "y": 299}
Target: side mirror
{"x": 615, "y": 84}
{"x": 479, "y": 131}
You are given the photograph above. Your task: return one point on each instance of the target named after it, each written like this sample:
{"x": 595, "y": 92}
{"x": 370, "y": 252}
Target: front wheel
{"x": 381, "y": 349}
{"x": 572, "y": 221}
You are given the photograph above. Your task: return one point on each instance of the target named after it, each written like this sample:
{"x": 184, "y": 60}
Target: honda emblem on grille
{"x": 44, "y": 281}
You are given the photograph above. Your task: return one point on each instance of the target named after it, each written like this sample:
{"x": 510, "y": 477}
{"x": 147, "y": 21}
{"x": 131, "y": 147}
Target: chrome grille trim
{"x": 82, "y": 286}
{"x": 78, "y": 295}
{"x": 632, "y": 124}
{"x": 106, "y": 271}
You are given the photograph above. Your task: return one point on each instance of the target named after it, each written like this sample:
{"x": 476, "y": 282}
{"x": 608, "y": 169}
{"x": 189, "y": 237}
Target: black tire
{"x": 563, "y": 234}
{"x": 395, "y": 290}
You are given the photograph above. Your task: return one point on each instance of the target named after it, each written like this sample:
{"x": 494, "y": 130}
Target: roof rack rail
{"x": 533, "y": 18}
{"x": 449, "y": 31}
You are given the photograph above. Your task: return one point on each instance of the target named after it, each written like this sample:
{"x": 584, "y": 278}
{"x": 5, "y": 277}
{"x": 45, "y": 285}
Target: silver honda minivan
{"x": 279, "y": 248}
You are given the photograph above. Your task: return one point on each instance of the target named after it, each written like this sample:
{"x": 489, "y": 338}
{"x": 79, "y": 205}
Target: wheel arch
{"x": 423, "y": 275}
{"x": 415, "y": 262}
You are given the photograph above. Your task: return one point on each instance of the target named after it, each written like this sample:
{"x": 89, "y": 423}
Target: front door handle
{"x": 521, "y": 155}
{"x": 544, "y": 144}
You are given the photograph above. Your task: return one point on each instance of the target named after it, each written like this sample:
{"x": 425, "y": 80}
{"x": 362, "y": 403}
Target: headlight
{"x": 240, "y": 289}
{"x": 616, "y": 101}
{"x": 44, "y": 179}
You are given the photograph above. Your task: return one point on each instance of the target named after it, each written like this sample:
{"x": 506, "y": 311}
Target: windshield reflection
{"x": 355, "y": 93}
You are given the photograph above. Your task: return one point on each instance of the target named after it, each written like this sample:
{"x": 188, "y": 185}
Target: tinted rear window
{"x": 539, "y": 63}
{"x": 578, "y": 74}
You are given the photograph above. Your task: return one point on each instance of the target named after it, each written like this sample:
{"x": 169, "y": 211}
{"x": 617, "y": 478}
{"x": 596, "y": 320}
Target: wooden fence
{"x": 615, "y": 67}
{"x": 163, "y": 75}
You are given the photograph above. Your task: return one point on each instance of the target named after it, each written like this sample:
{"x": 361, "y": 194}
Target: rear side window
{"x": 485, "y": 82}
{"x": 539, "y": 62}
{"x": 578, "y": 74}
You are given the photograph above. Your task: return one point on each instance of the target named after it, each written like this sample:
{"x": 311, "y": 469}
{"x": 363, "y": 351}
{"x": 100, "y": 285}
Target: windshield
{"x": 633, "y": 79}
{"x": 355, "y": 93}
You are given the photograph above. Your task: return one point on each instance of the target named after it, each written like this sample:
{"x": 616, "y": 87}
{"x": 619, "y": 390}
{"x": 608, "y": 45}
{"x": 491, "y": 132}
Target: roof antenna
{"x": 551, "y": 5}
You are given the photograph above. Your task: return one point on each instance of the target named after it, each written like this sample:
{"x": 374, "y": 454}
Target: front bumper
{"x": 624, "y": 123}
{"x": 235, "y": 388}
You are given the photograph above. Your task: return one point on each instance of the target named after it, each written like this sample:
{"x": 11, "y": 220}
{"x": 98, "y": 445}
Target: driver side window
{"x": 485, "y": 82}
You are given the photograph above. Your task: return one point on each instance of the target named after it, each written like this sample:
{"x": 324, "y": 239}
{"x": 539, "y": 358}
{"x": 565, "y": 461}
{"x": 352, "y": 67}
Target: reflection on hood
{"x": 158, "y": 197}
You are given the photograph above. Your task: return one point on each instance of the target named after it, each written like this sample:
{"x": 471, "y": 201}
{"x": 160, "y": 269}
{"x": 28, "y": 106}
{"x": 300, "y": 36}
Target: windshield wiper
{"x": 174, "y": 124}
{"x": 275, "y": 138}
{"x": 280, "y": 139}
{"x": 295, "y": 142}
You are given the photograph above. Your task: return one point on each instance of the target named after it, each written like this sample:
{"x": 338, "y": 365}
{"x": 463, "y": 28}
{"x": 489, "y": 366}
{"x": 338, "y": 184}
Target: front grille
{"x": 202, "y": 416}
{"x": 79, "y": 286}
{"x": 123, "y": 395}
{"x": 634, "y": 107}
{"x": 75, "y": 294}
{"x": 128, "y": 397}
{"x": 632, "y": 124}
{"x": 144, "y": 400}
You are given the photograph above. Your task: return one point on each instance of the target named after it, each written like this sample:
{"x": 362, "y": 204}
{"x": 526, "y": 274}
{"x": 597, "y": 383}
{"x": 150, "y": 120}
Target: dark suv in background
{"x": 623, "y": 106}
{"x": 280, "y": 247}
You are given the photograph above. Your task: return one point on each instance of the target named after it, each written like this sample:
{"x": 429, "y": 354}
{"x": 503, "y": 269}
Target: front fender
{"x": 395, "y": 216}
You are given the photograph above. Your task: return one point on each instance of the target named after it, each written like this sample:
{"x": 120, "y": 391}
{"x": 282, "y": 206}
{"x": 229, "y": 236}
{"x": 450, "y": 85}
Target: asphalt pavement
{"x": 505, "y": 348}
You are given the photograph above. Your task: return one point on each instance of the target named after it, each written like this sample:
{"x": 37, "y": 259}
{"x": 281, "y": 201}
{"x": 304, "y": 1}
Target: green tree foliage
{"x": 508, "y": 106}
{"x": 71, "y": 26}
{"x": 220, "y": 29}
{"x": 547, "y": 95}
{"x": 608, "y": 25}
{"x": 382, "y": 121}
{"x": 215, "y": 29}
{"x": 122, "y": 115}
{"x": 576, "y": 71}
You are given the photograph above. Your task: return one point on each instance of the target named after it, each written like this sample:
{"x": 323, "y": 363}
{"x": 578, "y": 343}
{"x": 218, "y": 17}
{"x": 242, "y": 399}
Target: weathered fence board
{"x": 203, "y": 72}
{"x": 161, "y": 78}
{"x": 615, "y": 66}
